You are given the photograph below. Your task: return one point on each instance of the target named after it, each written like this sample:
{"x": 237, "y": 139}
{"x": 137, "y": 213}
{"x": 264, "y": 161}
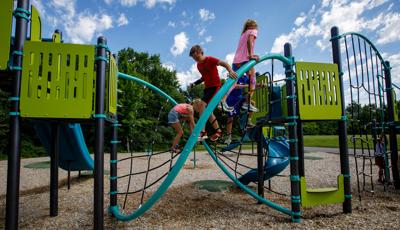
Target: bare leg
{"x": 179, "y": 134}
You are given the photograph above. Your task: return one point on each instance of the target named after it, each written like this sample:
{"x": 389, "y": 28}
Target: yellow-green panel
{"x": 318, "y": 88}
{"x": 56, "y": 37}
{"x": 36, "y": 25}
{"x": 6, "y": 10}
{"x": 261, "y": 98}
{"x": 284, "y": 101}
{"x": 57, "y": 80}
{"x": 322, "y": 196}
{"x": 395, "y": 107}
{"x": 112, "y": 86}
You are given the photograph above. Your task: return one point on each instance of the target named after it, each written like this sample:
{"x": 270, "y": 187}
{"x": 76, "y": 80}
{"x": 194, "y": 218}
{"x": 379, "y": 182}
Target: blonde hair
{"x": 196, "y": 103}
{"x": 249, "y": 23}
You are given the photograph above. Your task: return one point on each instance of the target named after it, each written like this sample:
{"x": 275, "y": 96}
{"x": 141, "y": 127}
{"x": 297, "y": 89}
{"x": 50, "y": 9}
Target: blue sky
{"x": 171, "y": 27}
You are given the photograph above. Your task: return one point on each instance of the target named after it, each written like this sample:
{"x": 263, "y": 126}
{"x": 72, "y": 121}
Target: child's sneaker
{"x": 228, "y": 140}
{"x": 250, "y": 125}
{"x": 216, "y": 135}
{"x": 252, "y": 108}
{"x": 175, "y": 150}
{"x": 203, "y": 135}
{"x": 226, "y": 107}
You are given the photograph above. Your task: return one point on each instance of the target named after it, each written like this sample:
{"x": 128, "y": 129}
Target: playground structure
{"x": 56, "y": 77}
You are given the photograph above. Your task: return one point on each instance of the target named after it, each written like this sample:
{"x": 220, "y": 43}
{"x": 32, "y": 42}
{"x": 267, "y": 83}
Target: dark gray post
{"x": 300, "y": 146}
{"x": 113, "y": 164}
{"x": 293, "y": 145}
{"x": 344, "y": 152}
{"x": 54, "y": 147}
{"x": 392, "y": 127}
{"x": 98, "y": 217}
{"x": 14, "y": 157}
{"x": 260, "y": 161}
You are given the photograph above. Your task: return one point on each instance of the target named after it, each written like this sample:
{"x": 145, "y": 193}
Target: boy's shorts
{"x": 209, "y": 93}
{"x": 253, "y": 82}
{"x": 173, "y": 117}
{"x": 236, "y": 103}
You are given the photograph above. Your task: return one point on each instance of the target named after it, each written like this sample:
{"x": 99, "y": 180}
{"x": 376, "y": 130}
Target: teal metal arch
{"x": 369, "y": 43}
{"x": 114, "y": 210}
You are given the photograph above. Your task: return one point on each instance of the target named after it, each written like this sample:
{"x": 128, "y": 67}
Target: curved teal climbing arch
{"x": 114, "y": 210}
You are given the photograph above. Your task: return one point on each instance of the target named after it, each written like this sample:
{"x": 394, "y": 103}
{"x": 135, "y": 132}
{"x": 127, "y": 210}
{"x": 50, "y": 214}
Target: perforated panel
{"x": 57, "y": 80}
{"x": 261, "y": 98}
{"x": 318, "y": 89}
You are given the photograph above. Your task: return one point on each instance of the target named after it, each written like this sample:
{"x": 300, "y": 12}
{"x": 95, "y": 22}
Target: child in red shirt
{"x": 207, "y": 67}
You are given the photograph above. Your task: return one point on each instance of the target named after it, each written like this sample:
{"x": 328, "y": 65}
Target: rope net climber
{"x": 365, "y": 84}
{"x": 239, "y": 154}
{"x": 146, "y": 165}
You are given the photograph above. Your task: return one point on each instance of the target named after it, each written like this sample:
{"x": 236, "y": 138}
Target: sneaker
{"x": 175, "y": 150}
{"x": 250, "y": 125}
{"x": 216, "y": 135}
{"x": 228, "y": 140}
{"x": 226, "y": 107}
{"x": 251, "y": 109}
{"x": 203, "y": 135}
{"x": 201, "y": 138}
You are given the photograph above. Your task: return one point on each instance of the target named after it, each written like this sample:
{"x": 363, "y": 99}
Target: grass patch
{"x": 332, "y": 141}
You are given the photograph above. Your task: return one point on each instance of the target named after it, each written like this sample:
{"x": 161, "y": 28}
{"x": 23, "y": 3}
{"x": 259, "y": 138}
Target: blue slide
{"x": 277, "y": 161}
{"x": 73, "y": 152}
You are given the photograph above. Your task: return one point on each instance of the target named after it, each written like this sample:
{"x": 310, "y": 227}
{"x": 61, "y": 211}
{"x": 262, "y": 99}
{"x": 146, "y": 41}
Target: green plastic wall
{"x": 6, "y": 11}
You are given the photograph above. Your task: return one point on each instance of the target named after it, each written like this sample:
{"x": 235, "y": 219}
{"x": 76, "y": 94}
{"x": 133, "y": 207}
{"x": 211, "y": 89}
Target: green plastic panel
{"x": 36, "y": 25}
{"x": 57, "y": 80}
{"x": 261, "y": 98}
{"x": 284, "y": 101}
{"x": 395, "y": 107}
{"x": 6, "y": 17}
{"x": 318, "y": 88}
{"x": 112, "y": 83}
{"x": 322, "y": 196}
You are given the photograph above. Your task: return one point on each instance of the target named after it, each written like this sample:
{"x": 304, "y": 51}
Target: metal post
{"x": 14, "y": 157}
{"x": 344, "y": 152}
{"x": 69, "y": 176}
{"x": 54, "y": 147}
{"x": 300, "y": 147}
{"x": 392, "y": 127}
{"x": 113, "y": 164}
{"x": 98, "y": 218}
{"x": 260, "y": 160}
{"x": 293, "y": 139}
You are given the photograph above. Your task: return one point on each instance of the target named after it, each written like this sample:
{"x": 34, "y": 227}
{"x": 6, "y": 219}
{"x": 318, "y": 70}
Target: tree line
{"x": 141, "y": 111}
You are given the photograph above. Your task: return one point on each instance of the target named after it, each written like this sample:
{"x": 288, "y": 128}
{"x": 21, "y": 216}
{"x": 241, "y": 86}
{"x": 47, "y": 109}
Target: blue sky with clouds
{"x": 171, "y": 27}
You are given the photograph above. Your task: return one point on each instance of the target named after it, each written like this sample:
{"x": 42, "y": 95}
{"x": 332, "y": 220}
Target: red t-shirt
{"x": 209, "y": 72}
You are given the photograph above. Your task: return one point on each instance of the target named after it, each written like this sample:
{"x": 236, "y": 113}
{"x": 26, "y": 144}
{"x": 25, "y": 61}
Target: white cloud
{"x": 390, "y": 29}
{"x": 202, "y": 31}
{"x": 172, "y": 24}
{"x": 299, "y": 20}
{"x": 187, "y": 77}
{"x": 129, "y": 3}
{"x": 147, "y": 3}
{"x": 64, "y": 7}
{"x": 83, "y": 29}
{"x": 347, "y": 15}
{"x": 108, "y": 2}
{"x": 169, "y": 65}
{"x": 206, "y": 15}
{"x": 122, "y": 20}
{"x": 180, "y": 44}
{"x": 151, "y": 3}
{"x": 208, "y": 39}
